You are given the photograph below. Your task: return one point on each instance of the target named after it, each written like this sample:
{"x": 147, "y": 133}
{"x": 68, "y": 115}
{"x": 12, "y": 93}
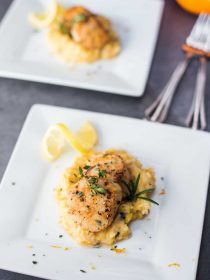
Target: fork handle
{"x": 197, "y": 108}
{"x": 200, "y": 96}
{"x": 168, "y": 90}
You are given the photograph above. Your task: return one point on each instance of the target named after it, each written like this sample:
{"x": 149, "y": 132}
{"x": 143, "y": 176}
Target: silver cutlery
{"x": 197, "y": 45}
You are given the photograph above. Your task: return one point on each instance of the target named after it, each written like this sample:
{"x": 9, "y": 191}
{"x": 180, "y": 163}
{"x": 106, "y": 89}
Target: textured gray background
{"x": 16, "y": 98}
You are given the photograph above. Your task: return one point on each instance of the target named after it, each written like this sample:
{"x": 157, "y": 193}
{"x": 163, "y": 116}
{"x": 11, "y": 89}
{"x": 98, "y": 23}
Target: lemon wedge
{"x": 87, "y": 136}
{"x": 54, "y": 143}
{"x": 42, "y": 20}
{"x": 59, "y": 136}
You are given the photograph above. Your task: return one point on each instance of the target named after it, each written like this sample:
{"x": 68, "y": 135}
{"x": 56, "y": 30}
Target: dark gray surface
{"x": 16, "y": 98}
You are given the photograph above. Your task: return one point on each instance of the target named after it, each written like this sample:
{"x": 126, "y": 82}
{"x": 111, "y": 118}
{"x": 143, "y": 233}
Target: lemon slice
{"x": 87, "y": 136}
{"x": 57, "y": 138}
{"x": 42, "y": 20}
{"x": 54, "y": 143}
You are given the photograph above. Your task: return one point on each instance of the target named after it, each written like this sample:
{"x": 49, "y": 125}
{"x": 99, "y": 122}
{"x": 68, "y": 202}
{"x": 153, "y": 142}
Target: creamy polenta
{"x": 80, "y": 36}
{"x": 76, "y": 209}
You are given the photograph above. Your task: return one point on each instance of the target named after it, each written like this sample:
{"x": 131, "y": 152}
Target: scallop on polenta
{"x": 76, "y": 34}
{"x": 101, "y": 194}
{"x": 81, "y": 36}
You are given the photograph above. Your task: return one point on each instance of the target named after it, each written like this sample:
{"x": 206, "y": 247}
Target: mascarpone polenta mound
{"x": 93, "y": 199}
{"x": 80, "y": 36}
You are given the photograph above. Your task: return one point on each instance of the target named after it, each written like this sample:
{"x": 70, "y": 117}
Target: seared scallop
{"x": 89, "y": 30}
{"x": 90, "y": 33}
{"x": 93, "y": 205}
{"x": 110, "y": 166}
{"x": 71, "y": 14}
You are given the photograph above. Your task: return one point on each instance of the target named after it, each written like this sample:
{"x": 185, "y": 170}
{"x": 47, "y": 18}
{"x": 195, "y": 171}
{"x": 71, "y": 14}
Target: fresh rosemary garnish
{"x": 132, "y": 188}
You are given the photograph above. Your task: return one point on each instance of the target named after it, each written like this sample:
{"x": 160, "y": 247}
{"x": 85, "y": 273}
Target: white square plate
{"x": 24, "y": 53}
{"x": 170, "y": 234}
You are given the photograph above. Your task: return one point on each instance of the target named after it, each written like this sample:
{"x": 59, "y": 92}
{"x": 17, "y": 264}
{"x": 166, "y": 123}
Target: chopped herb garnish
{"x": 79, "y": 18}
{"x": 80, "y": 194}
{"x": 83, "y": 271}
{"x": 117, "y": 234}
{"x": 81, "y": 172}
{"x": 101, "y": 190}
{"x": 132, "y": 188}
{"x": 95, "y": 188}
{"x": 92, "y": 180}
{"x": 122, "y": 215}
{"x": 98, "y": 189}
{"x": 102, "y": 173}
{"x": 98, "y": 222}
{"x": 63, "y": 28}
{"x": 86, "y": 167}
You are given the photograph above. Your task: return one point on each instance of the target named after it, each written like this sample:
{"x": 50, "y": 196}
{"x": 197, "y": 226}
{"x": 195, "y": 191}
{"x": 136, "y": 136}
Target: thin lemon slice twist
{"x": 59, "y": 136}
{"x": 42, "y": 20}
{"x": 87, "y": 136}
{"x": 72, "y": 139}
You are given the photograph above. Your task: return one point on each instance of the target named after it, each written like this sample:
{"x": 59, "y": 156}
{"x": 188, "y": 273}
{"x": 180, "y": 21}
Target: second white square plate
{"x": 165, "y": 245}
{"x": 24, "y": 53}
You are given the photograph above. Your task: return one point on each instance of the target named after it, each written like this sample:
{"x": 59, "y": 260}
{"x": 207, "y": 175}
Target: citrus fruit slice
{"x": 42, "y": 20}
{"x": 59, "y": 136}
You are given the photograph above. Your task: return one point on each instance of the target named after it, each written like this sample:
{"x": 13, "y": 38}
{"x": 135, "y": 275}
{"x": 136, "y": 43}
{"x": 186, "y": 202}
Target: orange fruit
{"x": 195, "y": 6}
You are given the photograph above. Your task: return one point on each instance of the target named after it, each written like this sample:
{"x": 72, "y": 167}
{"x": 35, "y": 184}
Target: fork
{"x": 199, "y": 38}
{"x": 197, "y": 109}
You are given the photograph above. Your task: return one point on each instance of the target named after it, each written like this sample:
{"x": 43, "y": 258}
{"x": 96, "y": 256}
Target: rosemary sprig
{"x": 148, "y": 199}
{"x": 132, "y": 189}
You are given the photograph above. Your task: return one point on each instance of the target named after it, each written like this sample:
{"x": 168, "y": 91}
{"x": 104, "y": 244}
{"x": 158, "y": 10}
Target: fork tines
{"x": 198, "y": 37}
